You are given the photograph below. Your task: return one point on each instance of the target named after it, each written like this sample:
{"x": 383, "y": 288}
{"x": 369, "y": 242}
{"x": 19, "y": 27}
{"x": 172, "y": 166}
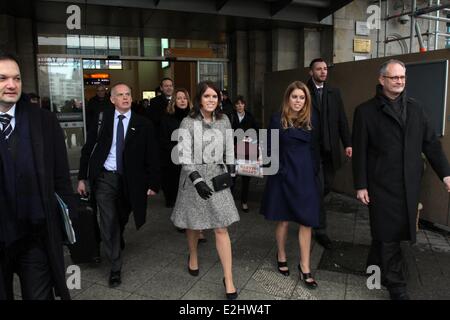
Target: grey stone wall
{"x": 344, "y": 30}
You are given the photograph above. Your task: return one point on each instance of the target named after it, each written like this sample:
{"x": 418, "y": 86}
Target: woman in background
{"x": 243, "y": 119}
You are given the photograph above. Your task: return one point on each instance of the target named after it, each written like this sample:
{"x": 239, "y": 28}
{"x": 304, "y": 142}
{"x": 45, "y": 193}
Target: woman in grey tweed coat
{"x": 201, "y": 151}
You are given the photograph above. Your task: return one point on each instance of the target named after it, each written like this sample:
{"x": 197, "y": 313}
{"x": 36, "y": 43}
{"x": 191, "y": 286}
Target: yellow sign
{"x": 361, "y": 45}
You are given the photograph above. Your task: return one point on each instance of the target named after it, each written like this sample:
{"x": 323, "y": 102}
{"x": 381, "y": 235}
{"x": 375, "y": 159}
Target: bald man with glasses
{"x": 390, "y": 133}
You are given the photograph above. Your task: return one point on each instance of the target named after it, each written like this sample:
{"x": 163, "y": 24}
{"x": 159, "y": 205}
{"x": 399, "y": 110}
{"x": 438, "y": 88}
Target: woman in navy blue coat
{"x": 293, "y": 193}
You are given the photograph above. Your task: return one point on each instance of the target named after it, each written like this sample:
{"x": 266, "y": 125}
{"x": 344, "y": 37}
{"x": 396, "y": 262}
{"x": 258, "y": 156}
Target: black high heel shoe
{"x": 312, "y": 284}
{"x": 192, "y": 272}
{"x": 232, "y": 295}
{"x": 282, "y": 264}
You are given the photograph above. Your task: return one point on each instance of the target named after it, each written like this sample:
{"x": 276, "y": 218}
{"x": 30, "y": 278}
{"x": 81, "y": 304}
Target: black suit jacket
{"x": 140, "y": 160}
{"x": 332, "y": 115}
{"x": 156, "y": 110}
{"x": 387, "y": 160}
{"x": 52, "y": 171}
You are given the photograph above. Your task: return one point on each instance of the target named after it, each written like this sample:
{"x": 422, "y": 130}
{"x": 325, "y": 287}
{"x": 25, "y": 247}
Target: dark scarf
{"x": 398, "y": 105}
{"x": 180, "y": 114}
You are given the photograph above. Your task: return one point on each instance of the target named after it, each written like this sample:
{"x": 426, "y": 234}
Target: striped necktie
{"x": 5, "y": 120}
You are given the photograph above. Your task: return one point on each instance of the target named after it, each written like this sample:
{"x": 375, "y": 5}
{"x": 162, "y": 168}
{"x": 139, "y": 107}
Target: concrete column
{"x": 27, "y": 54}
{"x": 17, "y": 37}
{"x": 239, "y": 54}
{"x": 312, "y": 46}
{"x": 259, "y": 64}
{"x": 286, "y": 47}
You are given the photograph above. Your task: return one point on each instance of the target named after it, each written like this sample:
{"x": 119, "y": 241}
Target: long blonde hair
{"x": 171, "y": 106}
{"x": 304, "y": 117}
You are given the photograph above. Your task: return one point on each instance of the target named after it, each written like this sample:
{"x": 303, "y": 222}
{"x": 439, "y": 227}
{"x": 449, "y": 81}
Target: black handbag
{"x": 222, "y": 181}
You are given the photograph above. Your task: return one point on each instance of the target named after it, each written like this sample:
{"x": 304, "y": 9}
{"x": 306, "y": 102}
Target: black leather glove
{"x": 231, "y": 168}
{"x": 202, "y": 188}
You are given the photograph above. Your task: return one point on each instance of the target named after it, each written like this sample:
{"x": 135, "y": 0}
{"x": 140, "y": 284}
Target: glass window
{"x": 114, "y": 64}
{"x": 114, "y": 43}
{"x": 447, "y": 42}
{"x": 73, "y": 41}
{"x": 87, "y": 42}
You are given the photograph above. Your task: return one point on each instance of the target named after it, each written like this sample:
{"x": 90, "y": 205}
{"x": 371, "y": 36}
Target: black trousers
{"x": 389, "y": 257}
{"x": 245, "y": 184}
{"x": 326, "y": 175}
{"x": 29, "y": 260}
{"x": 169, "y": 185}
{"x": 113, "y": 211}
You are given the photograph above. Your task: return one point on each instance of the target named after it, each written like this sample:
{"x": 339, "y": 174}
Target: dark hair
{"x": 164, "y": 79}
{"x": 8, "y": 56}
{"x": 311, "y": 65}
{"x": 241, "y": 99}
{"x": 201, "y": 88}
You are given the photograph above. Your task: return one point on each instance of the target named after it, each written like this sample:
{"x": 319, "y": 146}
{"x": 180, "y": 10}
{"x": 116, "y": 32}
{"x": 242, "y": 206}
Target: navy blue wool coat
{"x": 293, "y": 194}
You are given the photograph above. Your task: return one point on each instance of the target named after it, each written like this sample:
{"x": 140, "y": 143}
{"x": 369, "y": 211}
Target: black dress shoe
{"x": 115, "y": 279}
{"x": 396, "y": 294}
{"x": 282, "y": 264}
{"x": 307, "y": 279}
{"x": 232, "y": 295}
{"x": 324, "y": 240}
{"x": 192, "y": 272}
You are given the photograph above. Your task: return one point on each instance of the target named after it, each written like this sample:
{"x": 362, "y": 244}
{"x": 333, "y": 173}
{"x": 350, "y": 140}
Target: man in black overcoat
{"x": 33, "y": 167}
{"x": 390, "y": 133}
{"x": 331, "y": 131}
{"x": 158, "y": 104}
{"x": 122, "y": 165}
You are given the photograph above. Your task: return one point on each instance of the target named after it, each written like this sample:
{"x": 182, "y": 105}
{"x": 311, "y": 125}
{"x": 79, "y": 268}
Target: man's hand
{"x": 349, "y": 152}
{"x": 447, "y": 183}
{"x": 81, "y": 189}
{"x": 150, "y": 192}
{"x": 363, "y": 196}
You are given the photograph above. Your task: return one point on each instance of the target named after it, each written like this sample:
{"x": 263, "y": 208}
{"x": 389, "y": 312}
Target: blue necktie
{"x": 5, "y": 120}
{"x": 320, "y": 91}
{"x": 120, "y": 145}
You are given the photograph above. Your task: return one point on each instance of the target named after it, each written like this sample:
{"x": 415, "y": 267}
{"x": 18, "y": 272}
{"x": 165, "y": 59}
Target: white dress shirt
{"x": 110, "y": 163}
{"x": 241, "y": 116}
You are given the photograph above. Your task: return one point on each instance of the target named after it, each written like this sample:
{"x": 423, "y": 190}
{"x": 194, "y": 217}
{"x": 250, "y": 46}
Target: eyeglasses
{"x": 396, "y": 78}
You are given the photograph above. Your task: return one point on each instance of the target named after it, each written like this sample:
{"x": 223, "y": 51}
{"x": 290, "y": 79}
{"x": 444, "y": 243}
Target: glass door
{"x": 61, "y": 91}
{"x": 212, "y": 71}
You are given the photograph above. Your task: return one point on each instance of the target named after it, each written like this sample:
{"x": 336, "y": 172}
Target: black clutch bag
{"x": 222, "y": 181}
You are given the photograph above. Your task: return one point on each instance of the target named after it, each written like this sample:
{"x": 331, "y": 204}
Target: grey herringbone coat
{"x": 191, "y": 211}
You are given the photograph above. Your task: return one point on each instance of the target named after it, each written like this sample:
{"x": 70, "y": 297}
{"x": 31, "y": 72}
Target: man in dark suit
{"x": 390, "y": 133}
{"x": 328, "y": 106}
{"x": 122, "y": 167}
{"x": 33, "y": 167}
{"x": 159, "y": 103}
{"x": 99, "y": 103}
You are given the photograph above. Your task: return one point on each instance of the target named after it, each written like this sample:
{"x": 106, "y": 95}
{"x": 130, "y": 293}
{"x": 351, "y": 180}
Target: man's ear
{"x": 381, "y": 80}
{"x": 111, "y": 99}
{"x": 310, "y": 73}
